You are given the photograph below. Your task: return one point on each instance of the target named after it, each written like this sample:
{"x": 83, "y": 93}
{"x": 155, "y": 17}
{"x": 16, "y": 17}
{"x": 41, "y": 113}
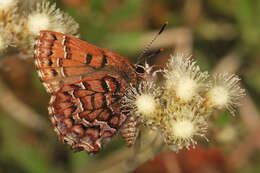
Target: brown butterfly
{"x": 86, "y": 84}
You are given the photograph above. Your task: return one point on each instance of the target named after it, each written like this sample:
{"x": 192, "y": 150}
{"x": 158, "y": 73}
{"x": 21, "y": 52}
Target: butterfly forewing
{"x": 87, "y": 84}
{"x": 62, "y": 59}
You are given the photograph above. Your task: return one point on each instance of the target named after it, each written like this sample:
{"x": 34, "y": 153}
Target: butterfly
{"x": 86, "y": 84}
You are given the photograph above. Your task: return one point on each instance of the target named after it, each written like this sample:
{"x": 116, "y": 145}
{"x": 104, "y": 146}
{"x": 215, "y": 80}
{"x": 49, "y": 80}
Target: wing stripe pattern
{"x": 87, "y": 84}
{"x": 74, "y": 118}
{"x": 61, "y": 56}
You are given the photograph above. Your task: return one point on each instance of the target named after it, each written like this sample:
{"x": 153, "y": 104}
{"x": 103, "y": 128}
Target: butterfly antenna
{"x": 148, "y": 46}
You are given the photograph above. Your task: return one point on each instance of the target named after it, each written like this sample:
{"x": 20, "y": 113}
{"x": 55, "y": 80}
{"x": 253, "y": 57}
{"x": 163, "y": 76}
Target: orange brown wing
{"x": 61, "y": 59}
{"x": 87, "y": 84}
{"x": 88, "y": 112}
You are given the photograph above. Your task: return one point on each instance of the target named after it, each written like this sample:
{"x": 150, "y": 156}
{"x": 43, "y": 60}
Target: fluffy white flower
{"x": 182, "y": 126}
{"x": 5, "y": 38}
{"x": 184, "y": 77}
{"x": 143, "y": 102}
{"x": 46, "y": 17}
{"x": 224, "y": 92}
{"x": 6, "y": 5}
{"x": 38, "y": 22}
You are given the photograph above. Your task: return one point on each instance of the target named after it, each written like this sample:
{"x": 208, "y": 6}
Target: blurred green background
{"x": 222, "y": 35}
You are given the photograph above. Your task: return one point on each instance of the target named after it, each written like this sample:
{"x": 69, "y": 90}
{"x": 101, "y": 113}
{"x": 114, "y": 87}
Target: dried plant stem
{"x": 249, "y": 113}
{"x": 250, "y": 117}
{"x": 127, "y": 160}
{"x": 18, "y": 110}
{"x": 230, "y": 63}
{"x": 146, "y": 148}
{"x": 240, "y": 155}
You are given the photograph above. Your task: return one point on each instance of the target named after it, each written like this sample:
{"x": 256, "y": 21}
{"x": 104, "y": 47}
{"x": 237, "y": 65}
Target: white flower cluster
{"x": 6, "y": 5}
{"x": 19, "y": 27}
{"x": 5, "y": 37}
{"x": 181, "y": 107}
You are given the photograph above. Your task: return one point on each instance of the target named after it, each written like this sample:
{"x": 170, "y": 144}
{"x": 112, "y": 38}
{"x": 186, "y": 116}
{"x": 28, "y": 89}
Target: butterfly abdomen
{"x": 130, "y": 130}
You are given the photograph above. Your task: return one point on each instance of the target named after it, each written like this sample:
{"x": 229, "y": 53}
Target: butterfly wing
{"x": 87, "y": 112}
{"x": 61, "y": 59}
{"x": 86, "y": 83}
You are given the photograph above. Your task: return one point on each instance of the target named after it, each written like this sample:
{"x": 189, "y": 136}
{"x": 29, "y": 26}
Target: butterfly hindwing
{"x": 87, "y": 112}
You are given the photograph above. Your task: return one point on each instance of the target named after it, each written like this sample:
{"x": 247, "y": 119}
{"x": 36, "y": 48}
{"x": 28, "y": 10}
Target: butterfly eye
{"x": 140, "y": 70}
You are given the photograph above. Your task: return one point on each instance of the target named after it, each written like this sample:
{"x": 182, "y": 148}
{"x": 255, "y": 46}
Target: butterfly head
{"x": 147, "y": 72}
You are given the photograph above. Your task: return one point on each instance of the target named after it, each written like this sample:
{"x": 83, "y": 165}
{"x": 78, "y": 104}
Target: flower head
{"x": 8, "y": 9}
{"x": 143, "y": 102}
{"x": 38, "y": 22}
{"x": 46, "y": 17}
{"x": 180, "y": 109}
{"x": 182, "y": 126}
{"x": 6, "y": 5}
{"x": 68, "y": 26}
{"x": 184, "y": 78}
{"x": 224, "y": 92}
{"x": 5, "y": 38}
